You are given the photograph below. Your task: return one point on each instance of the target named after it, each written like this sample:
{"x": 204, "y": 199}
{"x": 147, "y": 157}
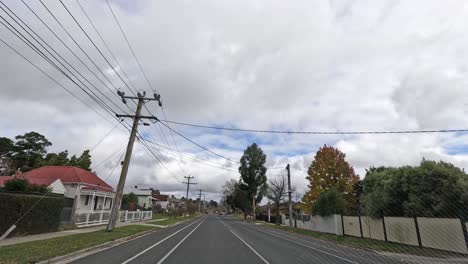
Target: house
{"x": 145, "y": 198}
{"x": 174, "y": 203}
{"x": 90, "y": 193}
{"x": 161, "y": 201}
{"x": 55, "y": 185}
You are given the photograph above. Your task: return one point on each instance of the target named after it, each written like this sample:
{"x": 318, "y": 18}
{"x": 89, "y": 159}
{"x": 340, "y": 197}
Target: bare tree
{"x": 277, "y": 190}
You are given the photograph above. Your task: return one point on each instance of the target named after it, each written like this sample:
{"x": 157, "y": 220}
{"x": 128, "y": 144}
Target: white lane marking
{"x": 159, "y": 242}
{"x": 178, "y": 244}
{"x": 251, "y": 248}
{"x": 307, "y": 246}
{"x": 300, "y": 237}
{"x": 303, "y": 238}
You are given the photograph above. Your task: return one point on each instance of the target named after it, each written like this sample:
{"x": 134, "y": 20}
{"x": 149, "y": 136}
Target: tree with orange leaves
{"x": 329, "y": 169}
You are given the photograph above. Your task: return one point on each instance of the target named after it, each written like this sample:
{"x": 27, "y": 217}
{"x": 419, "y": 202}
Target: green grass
{"x": 31, "y": 252}
{"x": 159, "y": 216}
{"x": 171, "y": 220}
{"x": 366, "y": 243}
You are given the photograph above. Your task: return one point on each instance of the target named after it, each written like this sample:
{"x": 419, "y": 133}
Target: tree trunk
{"x": 253, "y": 206}
{"x": 277, "y": 220}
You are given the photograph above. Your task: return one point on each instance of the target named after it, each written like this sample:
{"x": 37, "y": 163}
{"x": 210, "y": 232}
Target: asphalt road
{"x": 223, "y": 239}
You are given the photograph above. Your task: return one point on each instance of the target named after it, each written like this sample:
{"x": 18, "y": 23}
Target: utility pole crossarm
{"x": 138, "y": 116}
{"x": 136, "y": 98}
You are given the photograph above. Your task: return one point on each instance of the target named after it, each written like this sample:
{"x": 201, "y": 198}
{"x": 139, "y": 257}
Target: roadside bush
{"x": 264, "y": 217}
{"x": 22, "y": 185}
{"x": 16, "y": 185}
{"x": 329, "y": 202}
{"x": 44, "y": 217}
{"x": 33, "y": 188}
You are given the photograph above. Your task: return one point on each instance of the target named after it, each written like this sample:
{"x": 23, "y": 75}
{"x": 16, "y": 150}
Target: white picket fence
{"x": 100, "y": 218}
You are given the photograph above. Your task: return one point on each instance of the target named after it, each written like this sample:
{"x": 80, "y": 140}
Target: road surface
{"x": 223, "y": 239}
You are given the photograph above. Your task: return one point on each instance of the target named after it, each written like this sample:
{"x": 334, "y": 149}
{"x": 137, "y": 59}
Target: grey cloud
{"x": 339, "y": 65}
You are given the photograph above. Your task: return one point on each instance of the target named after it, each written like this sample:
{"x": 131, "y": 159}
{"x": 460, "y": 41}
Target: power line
{"x": 94, "y": 44}
{"x": 149, "y": 150}
{"x": 31, "y": 45}
{"x": 129, "y": 45}
{"x": 163, "y": 157}
{"x": 65, "y": 45}
{"x": 71, "y": 50}
{"x": 160, "y": 131}
{"x": 28, "y": 42}
{"x": 79, "y": 46}
{"x": 106, "y": 45}
{"x": 104, "y": 137}
{"x": 122, "y": 149}
{"x": 102, "y": 55}
{"x": 172, "y": 136}
{"x": 319, "y": 132}
{"x": 201, "y": 161}
{"x": 54, "y": 80}
{"x": 115, "y": 166}
{"x": 200, "y": 146}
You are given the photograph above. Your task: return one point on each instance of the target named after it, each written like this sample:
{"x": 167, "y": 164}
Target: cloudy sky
{"x": 338, "y": 65}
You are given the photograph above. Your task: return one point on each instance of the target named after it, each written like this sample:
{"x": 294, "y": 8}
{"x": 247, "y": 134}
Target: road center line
{"x": 178, "y": 244}
{"x": 307, "y": 246}
{"x": 159, "y": 242}
{"x": 251, "y": 248}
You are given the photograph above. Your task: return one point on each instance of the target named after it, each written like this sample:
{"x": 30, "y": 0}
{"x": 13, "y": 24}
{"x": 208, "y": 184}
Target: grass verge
{"x": 171, "y": 220}
{"x": 159, "y": 216}
{"x": 31, "y": 252}
{"x": 365, "y": 243}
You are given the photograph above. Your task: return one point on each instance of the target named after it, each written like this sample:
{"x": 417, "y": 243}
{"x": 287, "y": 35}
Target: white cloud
{"x": 307, "y": 65}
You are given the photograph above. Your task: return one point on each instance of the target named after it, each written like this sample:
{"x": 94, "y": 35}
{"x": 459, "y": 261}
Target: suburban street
{"x": 224, "y": 239}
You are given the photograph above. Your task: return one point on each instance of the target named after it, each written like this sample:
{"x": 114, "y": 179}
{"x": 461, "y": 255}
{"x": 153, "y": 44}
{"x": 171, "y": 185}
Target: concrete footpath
{"x": 23, "y": 239}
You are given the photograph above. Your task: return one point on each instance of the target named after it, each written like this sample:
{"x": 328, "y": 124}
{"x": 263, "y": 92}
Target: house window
{"x": 87, "y": 200}
{"x": 105, "y": 201}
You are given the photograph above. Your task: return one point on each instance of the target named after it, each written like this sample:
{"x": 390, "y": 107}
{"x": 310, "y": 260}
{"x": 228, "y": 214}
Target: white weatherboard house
{"x": 90, "y": 193}
{"x": 92, "y": 197}
{"x": 145, "y": 199}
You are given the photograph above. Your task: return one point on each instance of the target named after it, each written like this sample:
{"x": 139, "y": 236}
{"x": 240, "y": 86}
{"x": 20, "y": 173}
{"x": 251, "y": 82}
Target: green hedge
{"x": 44, "y": 217}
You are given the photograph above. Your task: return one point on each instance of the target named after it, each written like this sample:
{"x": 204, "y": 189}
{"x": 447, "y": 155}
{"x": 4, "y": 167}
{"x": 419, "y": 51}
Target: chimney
{"x": 18, "y": 173}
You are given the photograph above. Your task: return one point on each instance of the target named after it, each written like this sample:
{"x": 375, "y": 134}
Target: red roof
{"x": 67, "y": 174}
{"x": 37, "y": 181}
{"x": 3, "y": 179}
{"x": 40, "y": 181}
{"x": 161, "y": 197}
{"x": 95, "y": 188}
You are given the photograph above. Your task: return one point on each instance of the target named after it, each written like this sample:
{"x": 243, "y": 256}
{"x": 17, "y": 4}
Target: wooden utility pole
{"x": 128, "y": 154}
{"x": 199, "y": 202}
{"x": 289, "y": 194}
{"x": 188, "y": 187}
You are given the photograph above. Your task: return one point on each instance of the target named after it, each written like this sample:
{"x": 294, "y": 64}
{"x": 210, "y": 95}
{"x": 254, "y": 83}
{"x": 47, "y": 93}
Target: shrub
{"x": 33, "y": 188}
{"x": 44, "y": 217}
{"x": 330, "y": 202}
{"x": 22, "y": 185}
{"x": 16, "y": 185}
